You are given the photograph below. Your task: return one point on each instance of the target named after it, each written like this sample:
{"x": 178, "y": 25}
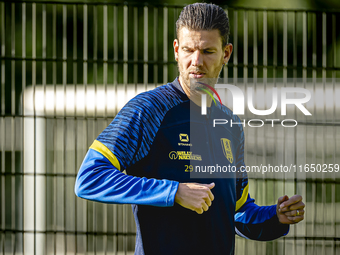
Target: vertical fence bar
{"x": 125, "y": 59}
{"x": 155, "y": 45}
{"x": 146, "y": 53}
{"x": 165, "y": 45}
{"x": 258, "y": 183}
{"x": 255, "y": 49}
{"x": 94, "y": 121}
{"x": 294, "y": 30}
{"x": 54, "y": 82}
{"x": 295, "y": 46}
{"x": 64, "y": 124}
{"x": 44, "y": 49}
{"x": 245, "y": 47}
{"x": 54, "y": 47}
{"x": 105, "y": 59}
{"x": 135, "y": 47}
{"x": 75, "y": 81}
{"x": 235, "y": 58}
{"x": 285, "y": 134}
{"x": 13, "y": 129}
{"x": 285, "y": 46}
{"x": 304, "y": 46}
{"x": 275, "y": 40}
{"x": 23, "y": 85}
{"x": 125, "y": 50}
{"x": 265, "y": 46}
{"x": 265, "y": 72}
{"x": 115, "y": 82}
{"x": 64, "y": 50}
{"x": 39, "y": 145}
{"x": 2, "y": 103}
{"x": 44, "y": 82}
{"x": 96, "y": 207}
{"x": 95, "y": 65}
{"x": 254, "y": 158}
{"x": 324, "y": 75}
{"x": 334, "y": 127}
{"x": 105, "y": 54}
{"x": 314, "y": 75}
{"x": 115, "y": 53}
{"x": 304, "y": 79}
{"x": 174, "y": 68}
{"x": 314, "y": 45}
{"x": 225, "y": 67}
{"x": 85, "y": 64}
{"x": 276, "y": 132}
{"x": 300, "y": 187}
{"x": 85, "y": 28}
{"x": 2, "y": 130}
{"x": 334, "y": 42}
{"x": 264, "y": 79}
{"x": 29, "y": 216}
{"x": 34, "y": 74}
{"x": 323, "y": 129}
{"x": 324, "y": 46}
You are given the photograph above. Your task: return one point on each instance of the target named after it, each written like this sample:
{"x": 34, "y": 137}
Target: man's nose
{"x": 197, "y": 58}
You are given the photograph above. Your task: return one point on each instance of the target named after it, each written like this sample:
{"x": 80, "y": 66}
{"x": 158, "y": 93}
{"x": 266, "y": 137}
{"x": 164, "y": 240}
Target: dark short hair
{"x": 203, "y": 16}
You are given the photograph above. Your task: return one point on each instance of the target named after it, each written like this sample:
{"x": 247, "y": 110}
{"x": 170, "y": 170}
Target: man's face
{"x": 199, "y": 55}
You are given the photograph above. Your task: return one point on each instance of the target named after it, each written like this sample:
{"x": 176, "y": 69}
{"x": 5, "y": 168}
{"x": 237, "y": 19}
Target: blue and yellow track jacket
{"x": 161, "y": 139}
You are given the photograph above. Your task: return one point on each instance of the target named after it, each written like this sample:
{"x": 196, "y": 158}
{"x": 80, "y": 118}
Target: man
{"x": 160, "y": 134}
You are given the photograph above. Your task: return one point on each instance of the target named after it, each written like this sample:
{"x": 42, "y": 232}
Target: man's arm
{"x": 259, "y": 222}
{"x": 125, "y": 141}
{"x": 99, "y": 180}
{"x": 263, "y": 223}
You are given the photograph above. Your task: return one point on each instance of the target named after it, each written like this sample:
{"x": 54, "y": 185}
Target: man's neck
{"x": 194, "y": 97}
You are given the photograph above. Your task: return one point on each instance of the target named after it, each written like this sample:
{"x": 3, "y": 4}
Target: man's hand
{"x": 290, "y": 210}
{"x": 195, "y": 196}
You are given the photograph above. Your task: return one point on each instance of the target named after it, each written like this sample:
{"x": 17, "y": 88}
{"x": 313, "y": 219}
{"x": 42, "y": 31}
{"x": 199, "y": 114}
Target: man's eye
{"x": 208, "y": 52}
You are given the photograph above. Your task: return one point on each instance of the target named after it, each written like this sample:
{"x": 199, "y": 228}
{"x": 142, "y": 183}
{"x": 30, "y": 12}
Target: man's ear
{"x": 176, "y": 47}
{"x": 228, "y": 49}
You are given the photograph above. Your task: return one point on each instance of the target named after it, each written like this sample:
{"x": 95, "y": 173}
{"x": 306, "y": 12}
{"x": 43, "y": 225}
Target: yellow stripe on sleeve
{"x": 243, "y": 198}
{"x": 101, "y": 148}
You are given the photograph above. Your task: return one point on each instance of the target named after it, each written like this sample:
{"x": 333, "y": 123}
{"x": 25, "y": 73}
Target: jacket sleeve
{"x": 125, "y": 141}
{"x": 98, "y": 180}
{"x": 253, "y": 221}
{"x": 259, "y": 222}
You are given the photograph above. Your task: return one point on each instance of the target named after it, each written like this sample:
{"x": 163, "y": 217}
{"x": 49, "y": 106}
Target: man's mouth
{"x": 196, "y": 74}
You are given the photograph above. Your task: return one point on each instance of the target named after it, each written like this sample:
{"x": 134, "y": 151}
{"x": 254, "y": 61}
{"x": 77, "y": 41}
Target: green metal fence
{"x": 67, "y": 69}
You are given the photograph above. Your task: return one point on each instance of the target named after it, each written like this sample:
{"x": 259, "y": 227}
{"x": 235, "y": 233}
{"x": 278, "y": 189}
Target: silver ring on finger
{"x": 297, "y": 213}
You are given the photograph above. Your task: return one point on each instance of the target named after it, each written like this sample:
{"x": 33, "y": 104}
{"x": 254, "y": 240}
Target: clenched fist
{"x": 290, "y": 210}
{"x": 195, "y": 196}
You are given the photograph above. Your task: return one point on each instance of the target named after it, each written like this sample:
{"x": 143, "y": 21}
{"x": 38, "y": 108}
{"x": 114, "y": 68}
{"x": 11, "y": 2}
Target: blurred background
{"x": 67, "y": 68}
